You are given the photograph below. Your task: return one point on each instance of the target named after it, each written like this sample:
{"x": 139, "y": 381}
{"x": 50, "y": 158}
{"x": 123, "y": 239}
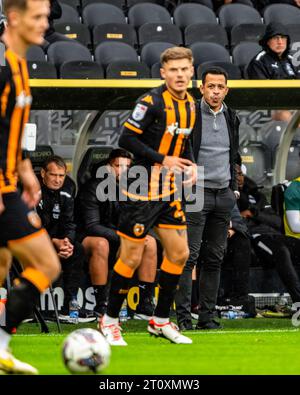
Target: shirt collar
{"x": 205, "y": 107}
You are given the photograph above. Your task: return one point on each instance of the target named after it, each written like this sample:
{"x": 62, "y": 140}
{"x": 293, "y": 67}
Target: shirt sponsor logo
{"x": 174, "y": 129}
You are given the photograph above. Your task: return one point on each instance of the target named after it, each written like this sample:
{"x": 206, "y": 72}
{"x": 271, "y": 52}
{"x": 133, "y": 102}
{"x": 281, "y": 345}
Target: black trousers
{"x": 72, "y": 271}
{"x": 211, "y": 225}
{"x": 238, "y": 260}
{"x": 282, "y": 253}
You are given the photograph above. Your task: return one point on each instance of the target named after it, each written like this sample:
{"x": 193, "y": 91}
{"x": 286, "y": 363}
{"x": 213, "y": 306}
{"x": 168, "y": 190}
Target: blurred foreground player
{"x": 21, "y": 234}
{"x": 157, "y": 133}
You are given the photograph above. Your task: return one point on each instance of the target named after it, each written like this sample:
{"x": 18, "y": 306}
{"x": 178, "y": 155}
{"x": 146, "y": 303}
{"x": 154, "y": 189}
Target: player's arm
{"x": 2, "y": 207}
{"x": 142, "y": 116}
{"x": 31, "y": 186}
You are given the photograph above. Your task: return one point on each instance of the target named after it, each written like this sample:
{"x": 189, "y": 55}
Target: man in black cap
{"x": 274, "y": 61}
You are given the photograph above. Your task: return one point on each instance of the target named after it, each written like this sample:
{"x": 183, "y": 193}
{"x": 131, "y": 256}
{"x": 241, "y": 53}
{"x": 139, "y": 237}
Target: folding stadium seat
{"x": 76, "y": 31}
{"x": 247, "y": 32}
{"x": 147, "y": 13}
{"x": 157, "y": 32}
{"x": 100, "y": 13}
{"x": 257, "y": 160}
{"x": 235, "y": 14}
{"x": 92, "y": 156}
{"x": 108, "y": 52}
{"x": 155, "y": 70}
{"x": 81, "y": 70}
{"x": 63, "y": 51}
{"x": 117, "y": 3}
{"x": 127, "y": 70}
{"x": 151, "y": 52}
{"x": 131, "y": 3}
{"x": 283, "y": 13}
{"x": 199, "y": 32}
{"x": 206, "y": 52}
{"x": 207, "y": 3}
{"x": 294, "y": 32}
{"x": 39, "y": 69}
{"x": 69, "y": 15}
{"x": 114, "y": 32}
{"x": 72, "y": 3}
{"x": 191, "y": 13}
{"x": 35, "y": 53}
{"x": 244, "y": 52}
{"x": 233, "y": 71}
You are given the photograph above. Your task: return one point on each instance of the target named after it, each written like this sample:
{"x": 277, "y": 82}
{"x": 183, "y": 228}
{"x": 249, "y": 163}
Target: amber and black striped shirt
{"x": 159, "y": 125}
{"x": 15, "y": 101}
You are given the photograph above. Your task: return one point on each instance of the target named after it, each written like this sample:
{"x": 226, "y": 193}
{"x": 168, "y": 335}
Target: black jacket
{"x": 96, "y": 217}
{"x": 233, "y": 124}
{"x": 238, "y": 222}
{"x": 267, "y": 64}
{"x": 56, "y": 210}
{"x": 55, "y": 13}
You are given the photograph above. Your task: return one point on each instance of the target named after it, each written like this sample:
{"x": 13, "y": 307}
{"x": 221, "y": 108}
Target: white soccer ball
{"x": 86, "y": 351}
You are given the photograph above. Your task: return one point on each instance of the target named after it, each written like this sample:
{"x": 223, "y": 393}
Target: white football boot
{"x": 169, "y": 331}
{"x": 112, "y": 333}
{"x": 11, "y": 365}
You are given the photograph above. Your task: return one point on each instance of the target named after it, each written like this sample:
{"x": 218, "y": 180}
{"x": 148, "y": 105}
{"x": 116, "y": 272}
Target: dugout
{"x": 94, "y": 110}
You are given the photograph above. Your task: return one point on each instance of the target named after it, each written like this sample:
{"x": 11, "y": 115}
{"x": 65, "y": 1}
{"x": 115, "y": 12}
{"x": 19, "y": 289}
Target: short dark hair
{"x": 216, "y": 71}
{"x": 118, "y": 153}
{"x": 58, "y": 160}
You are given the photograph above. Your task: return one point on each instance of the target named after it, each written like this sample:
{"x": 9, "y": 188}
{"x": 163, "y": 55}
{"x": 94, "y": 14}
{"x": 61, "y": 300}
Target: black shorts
{"x": 138, "y": 217}
{"x": 17, "y": 220}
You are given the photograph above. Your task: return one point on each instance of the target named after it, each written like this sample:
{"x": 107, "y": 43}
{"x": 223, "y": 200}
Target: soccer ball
{"x": 86, "y": 351}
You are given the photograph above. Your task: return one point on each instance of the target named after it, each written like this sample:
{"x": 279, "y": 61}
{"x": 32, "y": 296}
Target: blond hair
{"x": 19, "y": 4}
{"x": 176, "y": 53}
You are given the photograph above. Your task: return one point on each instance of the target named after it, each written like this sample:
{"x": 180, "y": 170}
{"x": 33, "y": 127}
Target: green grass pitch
{"x": 251, "y": 346}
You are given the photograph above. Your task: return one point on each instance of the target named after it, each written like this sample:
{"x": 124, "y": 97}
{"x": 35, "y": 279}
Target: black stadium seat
{"x": 63, "y": 51}
{"x": 206, "y": 52}
{"x": 89, "y": 161}
{"x": 247, "y": 32}
{"x": 191, "y": 13}
{"x": 75, "y": 31}
{"x": 41, "y": 69}
{"x": 35, "y": 53}
{"x": 157, "y": 32}
{"x": 127, "y": 70}
{"x": 147, "y": 13}
{"x": 233, "y": 71}
{"x": 244, "y": 52}
{"x": 81, "y": 70}
{"x": 114, "y": 32}
{"x": 283, "y": 13}
{"x": 69, "y": 15}
{"x": 38, "y": 157}
{"x": 208, "y": 32}
{"x": 155, "y": 70}
{"x": 257, "y": 160}
{"x": 100, "y": 13}
{"x": 117, "y": 3}
{"x": 108, "y": 52}
{"x": 235, "y": 14}
{"x": 294, "y": 32}
{"x": 151, "y": 52}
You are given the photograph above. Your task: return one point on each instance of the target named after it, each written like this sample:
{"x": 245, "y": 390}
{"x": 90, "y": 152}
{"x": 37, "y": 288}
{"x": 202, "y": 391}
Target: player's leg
{"x": 41, "y": 267}
{"x": 146, "y": 276}
{"x": 97, "y": 249}
{"x": 5, "y": 262}
{"x": 176, "y": 253}
{"x": 130, "y": 258}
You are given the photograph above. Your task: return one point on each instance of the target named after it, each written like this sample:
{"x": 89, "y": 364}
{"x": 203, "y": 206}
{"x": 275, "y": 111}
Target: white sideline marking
{"x": 201, "y": 332}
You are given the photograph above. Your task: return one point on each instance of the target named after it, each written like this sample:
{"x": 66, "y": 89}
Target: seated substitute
{"x": 56, "y": 209}
{"x": 274, "y": 62}
{"x": 98, "y": 220}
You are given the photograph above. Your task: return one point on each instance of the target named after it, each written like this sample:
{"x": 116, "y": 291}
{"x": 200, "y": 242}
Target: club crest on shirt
{"x": 138, "y": 229}
{"x": 34, "y": 219}
{"x": 139, "y": 112}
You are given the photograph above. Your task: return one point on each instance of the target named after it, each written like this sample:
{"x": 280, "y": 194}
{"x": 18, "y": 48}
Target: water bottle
{"x": 123, "y": 316}
{"x": 228, "y": 315}
{"x": 233, "y": 314}
{"x": 73, "y": 311}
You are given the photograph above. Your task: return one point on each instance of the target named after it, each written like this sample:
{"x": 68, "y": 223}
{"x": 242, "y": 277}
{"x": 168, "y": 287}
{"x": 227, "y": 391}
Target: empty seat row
{"x": 185, "y": 14}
